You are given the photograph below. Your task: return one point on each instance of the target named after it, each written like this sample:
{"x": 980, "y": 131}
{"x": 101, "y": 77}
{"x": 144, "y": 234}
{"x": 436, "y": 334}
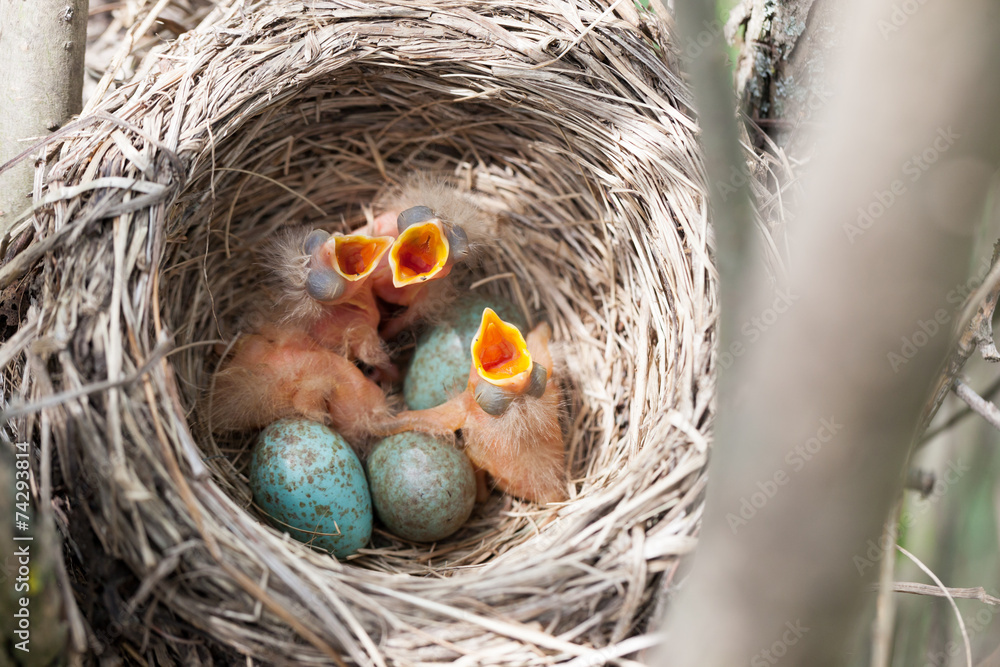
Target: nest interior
{"x": 564, "y": 119}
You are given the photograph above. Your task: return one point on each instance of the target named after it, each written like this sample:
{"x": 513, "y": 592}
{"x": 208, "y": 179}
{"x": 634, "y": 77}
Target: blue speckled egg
{"x": 305, "y": 476}
{"x": 423, "y": 489}
{"x": 440, "y": 365}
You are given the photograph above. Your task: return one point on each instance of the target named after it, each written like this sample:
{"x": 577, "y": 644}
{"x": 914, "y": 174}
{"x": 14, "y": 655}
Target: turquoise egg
{"x": 305, "y": 476}
{"x": 441, "y": 361}
{"x": 423, "y": 489}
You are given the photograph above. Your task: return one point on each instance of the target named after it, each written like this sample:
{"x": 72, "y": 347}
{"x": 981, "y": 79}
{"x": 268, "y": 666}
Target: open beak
{"x": 420, "y": 253}
{"x": 339, "y": 261}
{"x": 500, "y": 355}
{"x": 358, "y": 255}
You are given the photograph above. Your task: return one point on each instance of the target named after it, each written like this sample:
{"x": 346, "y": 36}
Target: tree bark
{"x": 785, "y": 51}
{"x": 42, "y": 45}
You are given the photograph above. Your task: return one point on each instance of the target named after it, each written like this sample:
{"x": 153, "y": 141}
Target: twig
{"x": 983, "y": 333}
{"x": 958, "y": 416}
{"x": 973, "y": 330}
{"x": 951, "y": 600}
{"x": 978, "y": 593}
{"x": 986, "y": 409}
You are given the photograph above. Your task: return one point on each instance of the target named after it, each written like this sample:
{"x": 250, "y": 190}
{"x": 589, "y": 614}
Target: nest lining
{"x": 288, "y": 113}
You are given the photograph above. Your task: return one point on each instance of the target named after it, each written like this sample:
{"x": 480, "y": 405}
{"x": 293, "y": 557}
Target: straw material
{"x": 565, "y": 120}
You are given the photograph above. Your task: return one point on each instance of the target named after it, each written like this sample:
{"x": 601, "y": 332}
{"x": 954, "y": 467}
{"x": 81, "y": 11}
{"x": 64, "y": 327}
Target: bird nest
{"x": 566, "y": 120}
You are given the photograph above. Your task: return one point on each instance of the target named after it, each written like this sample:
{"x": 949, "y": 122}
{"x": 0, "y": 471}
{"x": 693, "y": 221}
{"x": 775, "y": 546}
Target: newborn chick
{"x": 435, "y": 226}
{"x": 327, "y": 290}
{"x": 282, "y": 372}
{"x": 508, "y": 414}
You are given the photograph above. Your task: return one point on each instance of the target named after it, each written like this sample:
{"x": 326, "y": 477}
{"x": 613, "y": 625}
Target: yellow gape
{"x": 358, "y": 255}
{"x": 419, "y": 253}
{"x": 500, "y": 354}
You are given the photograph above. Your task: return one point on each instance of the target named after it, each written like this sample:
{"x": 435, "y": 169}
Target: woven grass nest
{"x": 563, "y": 118}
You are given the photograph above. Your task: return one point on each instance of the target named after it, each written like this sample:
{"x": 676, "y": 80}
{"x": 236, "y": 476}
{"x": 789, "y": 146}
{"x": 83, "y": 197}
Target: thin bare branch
{"x": 978, "y": 593}
{"x": 958, "y": 416}
{"x": 984, "y": 321}
{"x": 973, "y": 330}
{"x": 986, "y": 409}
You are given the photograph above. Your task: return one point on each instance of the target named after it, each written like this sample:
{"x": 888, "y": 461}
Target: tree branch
{"x": 978, "y": 404}
{"x": 974, "y": 330}
{"x": 806, "y": 468}
{"x": 41, "y": 85}
{"x": 913, "y": 588}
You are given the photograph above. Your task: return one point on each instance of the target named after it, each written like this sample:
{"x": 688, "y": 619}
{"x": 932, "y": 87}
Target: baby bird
{"x": 325, "y": 280}
{"x": 283, "y": 372}
{"x": 508, "y": 414}
{"x": 435, "y": 226}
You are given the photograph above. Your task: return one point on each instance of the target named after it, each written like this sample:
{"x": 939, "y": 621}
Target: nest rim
{"x": 195, "y": 169}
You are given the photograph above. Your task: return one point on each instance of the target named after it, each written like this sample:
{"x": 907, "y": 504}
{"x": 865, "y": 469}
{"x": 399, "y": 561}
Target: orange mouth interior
{"x": 499, "y": 351}
{"x": 358, "y": 255}
{"x": 421, "y": 251}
